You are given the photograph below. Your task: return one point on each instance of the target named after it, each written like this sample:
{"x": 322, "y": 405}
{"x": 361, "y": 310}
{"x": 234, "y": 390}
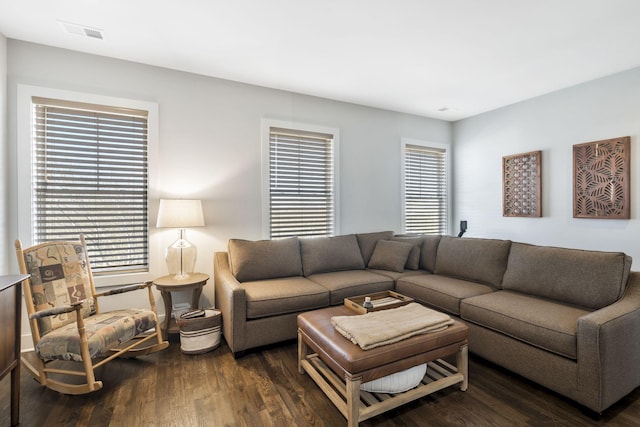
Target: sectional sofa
{"x": 567, "y": 319}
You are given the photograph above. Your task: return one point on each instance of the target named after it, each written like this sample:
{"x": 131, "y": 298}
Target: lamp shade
{"x": 180, "y": 213}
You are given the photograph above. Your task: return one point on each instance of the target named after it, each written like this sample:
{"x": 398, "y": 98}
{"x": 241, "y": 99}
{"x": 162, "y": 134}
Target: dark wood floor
{"x": 264, "y": 388}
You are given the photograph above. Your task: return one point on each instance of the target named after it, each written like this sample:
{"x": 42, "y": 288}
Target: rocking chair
{"x": 66, "y": 322}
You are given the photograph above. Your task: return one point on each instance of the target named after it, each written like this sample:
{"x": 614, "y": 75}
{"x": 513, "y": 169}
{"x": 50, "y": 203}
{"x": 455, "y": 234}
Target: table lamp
{"x": 181, "y": 255}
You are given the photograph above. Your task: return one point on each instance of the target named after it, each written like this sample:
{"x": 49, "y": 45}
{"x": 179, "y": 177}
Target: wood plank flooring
{"x": 264, "y": 388}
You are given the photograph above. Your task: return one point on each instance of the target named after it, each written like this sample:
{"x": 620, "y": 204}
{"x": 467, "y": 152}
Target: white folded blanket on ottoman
{"x": 383, "y": 327}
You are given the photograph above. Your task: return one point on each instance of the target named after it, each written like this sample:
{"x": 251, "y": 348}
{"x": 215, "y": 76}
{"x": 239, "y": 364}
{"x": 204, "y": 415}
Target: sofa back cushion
{"x": 589, "y": 279}
{"x": 367, "y": 242}
{"x": 477, "y": 260}
{"x": 325, "y": 254}
{"x": 264, "y": 259}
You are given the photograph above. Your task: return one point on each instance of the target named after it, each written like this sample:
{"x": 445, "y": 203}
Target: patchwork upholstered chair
{"x": 66, "y": 321}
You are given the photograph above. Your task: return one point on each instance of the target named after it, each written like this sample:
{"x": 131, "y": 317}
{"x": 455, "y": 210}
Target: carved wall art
{"x": 601, "y": 179}
{"x": 521, "y": 184}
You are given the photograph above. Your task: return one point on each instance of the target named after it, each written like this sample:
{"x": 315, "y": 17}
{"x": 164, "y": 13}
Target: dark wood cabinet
{"x": 10, "y": 319}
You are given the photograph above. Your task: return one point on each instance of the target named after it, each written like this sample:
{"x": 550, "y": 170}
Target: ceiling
{"x": 446, "y": 59}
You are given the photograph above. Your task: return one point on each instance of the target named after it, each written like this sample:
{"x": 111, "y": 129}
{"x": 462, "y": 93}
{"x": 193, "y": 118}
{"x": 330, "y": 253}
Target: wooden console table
{"x": 10, "y": 319}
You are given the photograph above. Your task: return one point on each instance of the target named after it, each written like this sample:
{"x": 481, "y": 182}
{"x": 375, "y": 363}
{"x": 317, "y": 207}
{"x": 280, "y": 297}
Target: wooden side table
{"x": 168, "y": 284}
{"x": 10, "y": 322}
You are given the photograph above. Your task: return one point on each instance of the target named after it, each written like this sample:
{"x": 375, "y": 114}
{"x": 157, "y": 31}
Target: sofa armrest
{"x": 231, "y": 299}
{"x": 609, "y": 349}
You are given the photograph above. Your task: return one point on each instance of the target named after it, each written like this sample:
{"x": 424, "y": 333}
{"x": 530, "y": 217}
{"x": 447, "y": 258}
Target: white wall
{"x": 210, "y": 145}
{"x": 605, "y": 108}
{"x": 210, "y": 149}
{"x": 4, "y": 175}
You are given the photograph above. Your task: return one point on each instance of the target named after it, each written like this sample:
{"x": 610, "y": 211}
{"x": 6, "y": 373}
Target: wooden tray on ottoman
{"x": 381, "y": 301}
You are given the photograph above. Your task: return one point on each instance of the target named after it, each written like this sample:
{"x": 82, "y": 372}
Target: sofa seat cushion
{"x": 343, "y": 284}
{"x": 546, "y": 324}
{"x": 285, "y": 295}
{"x": 440, "y": 292}
{"x": 395, "y": 275}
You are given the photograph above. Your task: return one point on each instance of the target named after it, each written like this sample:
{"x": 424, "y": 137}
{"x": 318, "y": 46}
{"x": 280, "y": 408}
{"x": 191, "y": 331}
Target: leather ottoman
{"x": 339, "y": 367}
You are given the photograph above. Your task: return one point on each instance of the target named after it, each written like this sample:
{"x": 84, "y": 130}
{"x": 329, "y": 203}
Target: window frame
{"x": 267, "y": 124}
{"x": 435, "y": 145}
{"x": 26, "y": 93}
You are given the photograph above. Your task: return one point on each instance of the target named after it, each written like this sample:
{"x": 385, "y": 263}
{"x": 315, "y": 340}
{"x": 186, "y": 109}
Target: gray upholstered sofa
{"x": 262, "y": 286}
{"x": 568, "y": 319}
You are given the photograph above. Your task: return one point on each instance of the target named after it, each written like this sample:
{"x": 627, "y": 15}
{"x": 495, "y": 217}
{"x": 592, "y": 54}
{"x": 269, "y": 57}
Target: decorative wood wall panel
{"x": 521, "y": 184}
{"x": 601, "y": 179}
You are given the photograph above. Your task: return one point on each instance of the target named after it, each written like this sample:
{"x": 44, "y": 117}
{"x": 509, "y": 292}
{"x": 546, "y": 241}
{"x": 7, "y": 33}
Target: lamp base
{"x": 181, "y": 276}
{"x": 180, "y": 257}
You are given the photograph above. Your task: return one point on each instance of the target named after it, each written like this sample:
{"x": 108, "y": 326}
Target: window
{"x": 89, "y": 175}
{"x": 425, "y": 188}
{"x": 300, "y": 188}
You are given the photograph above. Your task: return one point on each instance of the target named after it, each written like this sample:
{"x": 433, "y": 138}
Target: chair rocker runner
{"x": 66, "y": 321}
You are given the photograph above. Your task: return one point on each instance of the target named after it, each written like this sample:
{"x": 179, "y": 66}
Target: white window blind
{"x": 425, "y": 189}
{"x": 90, "y": 176}
{"x": 301, "y": 183}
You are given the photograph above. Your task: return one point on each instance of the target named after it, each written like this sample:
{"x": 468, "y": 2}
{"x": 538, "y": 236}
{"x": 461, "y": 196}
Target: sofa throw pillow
{"x": 413, "y": 261}
{"x": 264, "y": 259}
{"x": 390, "y": 255}
{"x": 367, "y": 242}
{"x": 428, "y": 252}
{"x": 325, "y": 254}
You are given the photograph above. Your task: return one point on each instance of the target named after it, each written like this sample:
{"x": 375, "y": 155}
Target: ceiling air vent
{"x": 446, "y": 108}
{"x": 82, "y": 30}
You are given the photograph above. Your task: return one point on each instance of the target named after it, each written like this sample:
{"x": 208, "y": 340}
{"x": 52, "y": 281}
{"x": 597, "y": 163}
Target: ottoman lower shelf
{"x": 360, "y": 405}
